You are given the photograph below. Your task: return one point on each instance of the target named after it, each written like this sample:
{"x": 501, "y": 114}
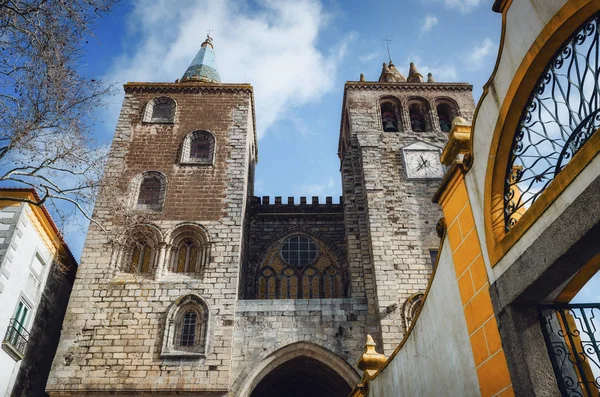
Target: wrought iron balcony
{"x": 572, "y": 334}
{"x": 15, "y": 340}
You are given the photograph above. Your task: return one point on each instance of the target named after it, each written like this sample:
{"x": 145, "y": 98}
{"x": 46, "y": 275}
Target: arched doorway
{"x": 302, "y": 376}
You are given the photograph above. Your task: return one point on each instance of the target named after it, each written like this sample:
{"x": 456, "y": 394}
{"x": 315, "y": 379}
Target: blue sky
{"x": 297, "y": 55}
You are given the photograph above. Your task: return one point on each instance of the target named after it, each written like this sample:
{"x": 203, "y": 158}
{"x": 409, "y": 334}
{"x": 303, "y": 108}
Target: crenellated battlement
{"x": 264, "y": 205}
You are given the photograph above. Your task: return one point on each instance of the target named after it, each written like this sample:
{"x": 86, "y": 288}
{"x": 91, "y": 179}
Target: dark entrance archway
{"x": 302, "y": 376}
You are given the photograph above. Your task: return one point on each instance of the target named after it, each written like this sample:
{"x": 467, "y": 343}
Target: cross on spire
{"x": 208, "y": 33}
{"x": 387, "y": 43}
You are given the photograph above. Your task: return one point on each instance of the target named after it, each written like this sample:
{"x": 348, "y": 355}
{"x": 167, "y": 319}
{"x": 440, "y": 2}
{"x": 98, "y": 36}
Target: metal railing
{"x": 16, "y": 337}
{"x": 572, "y": 335}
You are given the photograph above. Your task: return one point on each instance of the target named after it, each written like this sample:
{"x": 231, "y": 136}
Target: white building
{"x": 31, "y": 282}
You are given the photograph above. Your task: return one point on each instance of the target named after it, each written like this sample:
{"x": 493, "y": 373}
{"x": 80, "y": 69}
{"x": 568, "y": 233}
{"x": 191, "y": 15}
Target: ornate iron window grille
{"x": 562, "y": 113}
{"x": 15, "y": 340}
{"x": 572, "y": 335}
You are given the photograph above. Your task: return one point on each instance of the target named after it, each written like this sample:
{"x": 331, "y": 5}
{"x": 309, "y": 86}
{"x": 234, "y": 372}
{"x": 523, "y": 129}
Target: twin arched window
{"x": 160, "y": 110}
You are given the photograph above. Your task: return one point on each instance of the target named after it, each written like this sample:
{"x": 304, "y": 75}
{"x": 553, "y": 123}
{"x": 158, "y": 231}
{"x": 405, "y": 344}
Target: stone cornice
{"x": 360, "y": 85}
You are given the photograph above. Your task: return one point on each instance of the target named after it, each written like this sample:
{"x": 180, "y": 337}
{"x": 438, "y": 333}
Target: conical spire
{"x": 386, "y": 74}
{"x": 430, "y": 78}
{"x": 203, "y": 68}
{"x": 413, "y": 74}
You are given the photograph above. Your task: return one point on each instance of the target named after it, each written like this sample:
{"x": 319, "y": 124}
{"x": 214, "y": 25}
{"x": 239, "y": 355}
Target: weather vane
{"x": 387, "y": 43}
{"x": 208, "y": 33}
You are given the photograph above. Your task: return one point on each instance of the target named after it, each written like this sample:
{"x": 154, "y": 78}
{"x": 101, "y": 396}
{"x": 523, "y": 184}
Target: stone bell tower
{"x": 392, "y": 132}
{"x": 152, "y": 310}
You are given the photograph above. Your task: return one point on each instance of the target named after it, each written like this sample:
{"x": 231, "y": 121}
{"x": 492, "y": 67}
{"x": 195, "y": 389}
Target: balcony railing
{"x": 572, "y": 335}
{"x": 15, "y": 340}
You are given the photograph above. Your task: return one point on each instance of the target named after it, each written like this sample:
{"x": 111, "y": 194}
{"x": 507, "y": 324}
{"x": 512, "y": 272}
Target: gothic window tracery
{"x": 299, "y": 267}
{"x": 198, "y": 148}
{"x": 160, "y": 110}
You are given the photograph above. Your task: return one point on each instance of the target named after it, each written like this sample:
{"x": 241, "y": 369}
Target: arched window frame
{"x": 171, "y": 343}
{"x": 453, "y": 111}
{"x": 424, "y": 111}
{"x": 143, "y": 240}
{"x": 149, "y": 111}
{"x": 542, "y": 52}
{"x": 136, "y": 186}
{"x": 186, "y": 147}
{"x": 396, "y": 116}
{"x": 412, "y": 306}
{"x": 199, "y": 237}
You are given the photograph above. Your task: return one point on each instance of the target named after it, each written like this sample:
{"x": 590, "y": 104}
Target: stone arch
{"x": 419, "y": 111}
{"x": 411, "y": 307}
{"x": 267, "y": 248}
{"x": 194, "y": 240}
{"x": 160, "y": 110}
{"x": 285, "y": 351}
{"x": 172, "y": 328}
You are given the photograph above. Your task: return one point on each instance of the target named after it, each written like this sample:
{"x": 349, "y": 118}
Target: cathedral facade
{"x": 194, "y": 286}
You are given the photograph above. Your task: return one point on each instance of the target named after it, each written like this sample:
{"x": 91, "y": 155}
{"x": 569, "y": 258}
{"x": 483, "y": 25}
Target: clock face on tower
{"x": 422, "y": 161}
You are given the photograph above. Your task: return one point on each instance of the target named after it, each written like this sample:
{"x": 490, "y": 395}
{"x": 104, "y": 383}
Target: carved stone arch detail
{"x": 160, "y": 110}
{"x": 268, "y": 249}
{"x": 177, "y": 334}
{"x": 204, "y": 153}
{"x": 188, "y": 249}
{"x": 287, "y": 349}
{"x": 411, "y": 307}
{"x": 135, "y": 201}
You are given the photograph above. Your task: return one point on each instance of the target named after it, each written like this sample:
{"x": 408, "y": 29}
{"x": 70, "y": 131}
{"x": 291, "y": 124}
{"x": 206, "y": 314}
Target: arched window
{"x": 142, "y": 257}
{"x": 160, "y": 110}
{"x": 389, "y": 114}
{"x": 445, "y": 116}
{"x": 198, "y": 148}
{"x": 186, "y": 330}
{"x": 190, "y": 251}
{"x": 412, "y": 307}
{"x": 560, "y": 117}
{"x": 418, "y": 116}
{"x": 151, "y": 188}
{"x": 299, "y": 267}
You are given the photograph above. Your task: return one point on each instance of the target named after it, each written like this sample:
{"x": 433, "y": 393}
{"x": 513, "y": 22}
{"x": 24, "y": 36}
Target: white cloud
{"x": 273, "y": 47}
{"x": 428, "y": 23}
{"x": 464, "y": 6}
{"x": 369, "y": 57}
{"x": 479, "y": 53}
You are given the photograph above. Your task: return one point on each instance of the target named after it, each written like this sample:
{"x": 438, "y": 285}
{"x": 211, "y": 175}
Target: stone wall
{"x": 390, "y": 220}
{"x": 113, "y": 329}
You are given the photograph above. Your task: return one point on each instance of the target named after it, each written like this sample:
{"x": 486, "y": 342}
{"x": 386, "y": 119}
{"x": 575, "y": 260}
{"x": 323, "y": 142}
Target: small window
{"x": 299, "y": 251}
{"x": 160, "y": 110}
{"x": 198, "y": 148}
{"x": 151, "y": 189}
{"x": 16, "y": 337}
{"x": 188, "y": 329}
{"x": 37, "y": 266}
{"x": 433, "y": 254}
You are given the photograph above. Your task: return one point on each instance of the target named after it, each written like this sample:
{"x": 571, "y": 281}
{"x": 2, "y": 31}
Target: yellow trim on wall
{"x": 550, "y": 39}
